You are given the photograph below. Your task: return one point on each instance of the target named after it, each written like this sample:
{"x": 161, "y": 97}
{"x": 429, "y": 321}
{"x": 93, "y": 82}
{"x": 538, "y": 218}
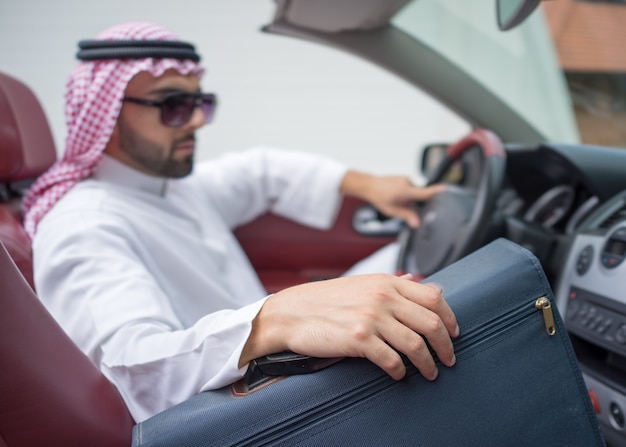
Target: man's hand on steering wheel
{"x": 456, "y": 222}
{"x": 393, "y": 196}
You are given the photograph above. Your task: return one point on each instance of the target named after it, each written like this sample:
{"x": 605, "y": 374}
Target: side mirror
{"x": 511, "y": 13}
{"x": 434, "y": 160}
{"x": 432, "y": 156}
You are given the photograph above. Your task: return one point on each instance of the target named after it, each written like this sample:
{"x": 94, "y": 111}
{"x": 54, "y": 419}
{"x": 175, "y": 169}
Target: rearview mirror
{"x": 511, "y": 13}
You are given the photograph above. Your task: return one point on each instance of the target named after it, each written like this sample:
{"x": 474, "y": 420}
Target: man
{"x": 133, "y": 247}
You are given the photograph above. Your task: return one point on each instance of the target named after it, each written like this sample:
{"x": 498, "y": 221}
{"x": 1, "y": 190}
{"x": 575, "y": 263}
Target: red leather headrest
{"x": 26, "y": 144}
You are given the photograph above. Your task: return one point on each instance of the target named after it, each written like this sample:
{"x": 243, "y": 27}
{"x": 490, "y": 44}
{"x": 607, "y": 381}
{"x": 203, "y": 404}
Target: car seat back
{"x": 50, "y": 392}
{"x": 26, "y": 151}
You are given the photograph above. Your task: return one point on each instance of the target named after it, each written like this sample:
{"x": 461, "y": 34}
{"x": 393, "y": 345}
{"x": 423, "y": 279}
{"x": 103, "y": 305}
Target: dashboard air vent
{"x": 616, "y": 216}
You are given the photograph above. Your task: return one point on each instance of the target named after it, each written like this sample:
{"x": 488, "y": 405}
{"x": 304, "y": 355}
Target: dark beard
{"x": 149, "y": 154}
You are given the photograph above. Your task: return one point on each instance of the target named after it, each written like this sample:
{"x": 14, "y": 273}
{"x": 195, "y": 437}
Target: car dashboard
{"x": 559, "y": 185}
{"x": 552, "y": 193}
{"x": 567, "y": 204}
{"x": 548, "y": 193}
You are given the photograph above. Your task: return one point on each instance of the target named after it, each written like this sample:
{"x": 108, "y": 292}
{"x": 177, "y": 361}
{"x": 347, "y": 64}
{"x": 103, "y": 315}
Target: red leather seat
{"x": 26, "y": 151}
{"x": 51, "y": 394}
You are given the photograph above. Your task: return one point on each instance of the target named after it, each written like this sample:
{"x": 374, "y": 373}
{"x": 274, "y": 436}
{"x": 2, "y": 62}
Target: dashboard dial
{"x": 550, "y": 208}
{"x": 581, "y": 213}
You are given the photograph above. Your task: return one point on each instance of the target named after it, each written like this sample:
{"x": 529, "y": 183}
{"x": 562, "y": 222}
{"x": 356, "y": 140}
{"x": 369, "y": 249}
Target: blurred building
{"x": 589, "y": 38}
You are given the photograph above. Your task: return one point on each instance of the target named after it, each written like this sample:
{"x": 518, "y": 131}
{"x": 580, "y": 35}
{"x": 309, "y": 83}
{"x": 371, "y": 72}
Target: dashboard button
{"x": 595, "y": 403}
{"x": 617, "y": 416}
{"x": 589, "y": 316}
{"x": 595, "y": 323}
{"x": 614, "y": 250}
{"x": 606, "y": 324}
{"x": 620, "y": 334}
{"x": 584, "y": 310}
{"x": 584, "y": 260}
{"x": 572, "y": 310}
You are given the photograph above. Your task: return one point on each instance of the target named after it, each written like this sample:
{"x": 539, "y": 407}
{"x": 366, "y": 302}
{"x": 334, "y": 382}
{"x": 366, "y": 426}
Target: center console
{"x": 591, "y": 296}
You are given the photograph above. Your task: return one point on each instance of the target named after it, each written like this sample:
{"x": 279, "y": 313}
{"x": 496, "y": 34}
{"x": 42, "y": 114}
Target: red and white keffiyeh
{"x": 93, "y": 99}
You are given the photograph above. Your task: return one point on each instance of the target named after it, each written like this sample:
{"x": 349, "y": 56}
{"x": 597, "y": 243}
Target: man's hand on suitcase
{"x": 370, "y": 316}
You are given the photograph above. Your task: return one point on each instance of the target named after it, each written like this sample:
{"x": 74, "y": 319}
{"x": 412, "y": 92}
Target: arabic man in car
{"x": 133, "y": 247}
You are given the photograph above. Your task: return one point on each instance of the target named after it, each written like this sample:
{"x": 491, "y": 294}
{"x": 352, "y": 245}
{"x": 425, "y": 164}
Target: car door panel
{"x": 285, "y": 253}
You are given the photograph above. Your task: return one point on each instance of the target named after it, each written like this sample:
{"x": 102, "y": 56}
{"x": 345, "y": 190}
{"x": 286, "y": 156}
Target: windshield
{"x": 520, "y": 66}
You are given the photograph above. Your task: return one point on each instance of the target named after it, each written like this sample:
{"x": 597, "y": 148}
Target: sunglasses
{"x": 177, "y": 108}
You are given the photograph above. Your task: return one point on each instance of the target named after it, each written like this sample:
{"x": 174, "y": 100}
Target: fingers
{"x": 386, "y": 358}
{"x": 429, "y": 296}
{"x": 420, "y": 319}
{"x": 408, "y": 216}
{"x": 399, "y": 195}
{"x": 418, "y": 194}
{"x": 379, "y": 317}
{"x": 423, "y": 194}
{"x": 424, "y": 315}
{"x": 414, "y": 347}
{"x": 393, "y": 338}
{"x": 427, "y": 324}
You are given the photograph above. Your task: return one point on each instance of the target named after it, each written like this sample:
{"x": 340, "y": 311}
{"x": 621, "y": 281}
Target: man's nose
{"x": 197, "y": 118}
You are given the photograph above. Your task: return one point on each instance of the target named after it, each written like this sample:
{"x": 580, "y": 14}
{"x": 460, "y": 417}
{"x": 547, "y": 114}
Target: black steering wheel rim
{"x": 455, "y": 222}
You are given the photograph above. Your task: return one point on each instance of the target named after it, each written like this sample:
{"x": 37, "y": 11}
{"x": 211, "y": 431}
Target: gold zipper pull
{"x": 544, "y": 305}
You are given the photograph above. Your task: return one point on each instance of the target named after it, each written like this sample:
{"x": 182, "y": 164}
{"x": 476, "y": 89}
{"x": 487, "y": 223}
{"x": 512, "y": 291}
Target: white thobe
{"x": 147, "y": 278}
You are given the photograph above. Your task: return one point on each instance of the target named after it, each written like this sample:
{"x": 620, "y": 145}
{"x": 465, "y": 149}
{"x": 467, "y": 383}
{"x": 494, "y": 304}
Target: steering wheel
{"x": 455, "y": 222}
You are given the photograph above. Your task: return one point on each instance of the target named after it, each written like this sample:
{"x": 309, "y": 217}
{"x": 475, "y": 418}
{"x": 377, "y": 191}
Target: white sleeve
{"x": 121, "y": 318}
{"x": 300, "y": 186}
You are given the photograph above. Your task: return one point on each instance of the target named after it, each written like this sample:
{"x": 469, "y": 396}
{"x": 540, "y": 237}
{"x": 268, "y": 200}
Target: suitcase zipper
{"x": 544, "y": 305}
{"x": 502, "y": 323}
{"x": 280, "y": 432}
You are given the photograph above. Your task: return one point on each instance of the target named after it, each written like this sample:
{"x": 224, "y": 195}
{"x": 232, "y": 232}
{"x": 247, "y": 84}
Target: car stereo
{"x": 591, "y": 296}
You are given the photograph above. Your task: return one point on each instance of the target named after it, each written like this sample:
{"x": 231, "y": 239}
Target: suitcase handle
{"x": 285, "y": 363}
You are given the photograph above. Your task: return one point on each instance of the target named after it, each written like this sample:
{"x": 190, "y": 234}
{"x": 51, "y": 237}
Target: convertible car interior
{"x": 564, "y": 202}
